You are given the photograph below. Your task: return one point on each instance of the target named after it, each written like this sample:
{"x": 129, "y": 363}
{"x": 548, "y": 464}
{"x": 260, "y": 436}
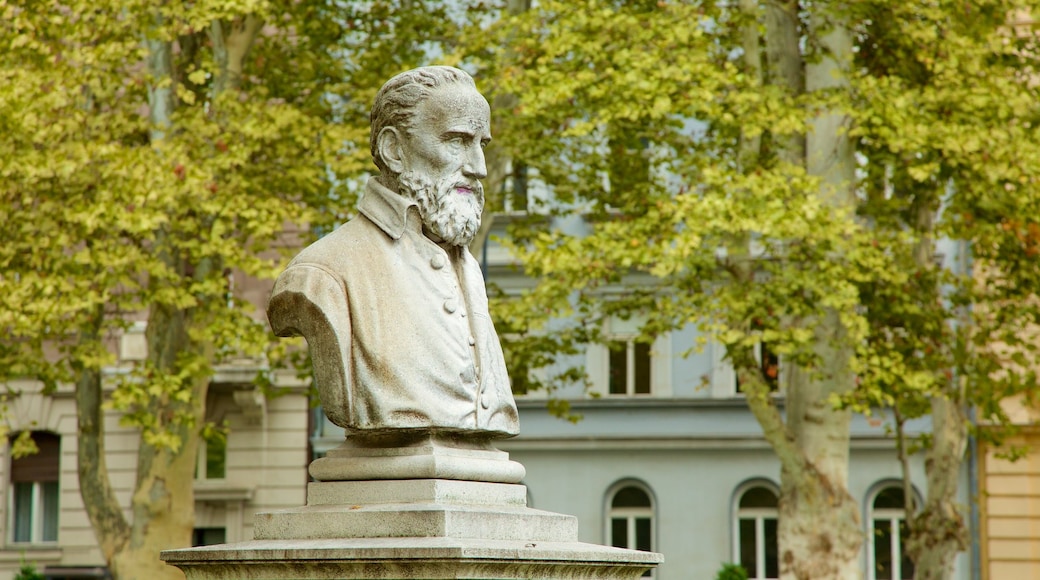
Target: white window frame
{"x": 201, "y": 468}
{"x": 759, "y": 515}
{"x": 598, "y": 360}
{"x": 37, "y": 514}
{"x": 630, "y": 367}
{"x": 893, "y": 516}
{"x": 630, "y": 514}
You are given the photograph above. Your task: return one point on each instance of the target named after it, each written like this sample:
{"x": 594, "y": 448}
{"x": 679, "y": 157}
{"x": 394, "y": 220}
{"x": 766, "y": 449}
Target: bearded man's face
{"x": 446, "y": 212}
{"x": 443, "y": 155}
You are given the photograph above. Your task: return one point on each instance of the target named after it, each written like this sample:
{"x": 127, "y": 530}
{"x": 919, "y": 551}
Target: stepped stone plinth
{"x": 428, "y": 528}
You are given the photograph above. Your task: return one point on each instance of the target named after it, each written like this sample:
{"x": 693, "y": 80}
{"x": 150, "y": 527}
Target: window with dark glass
{"x": 212, "y": 459}
{"x": 631, "y": 520}
{"x": 208, "y": 536}
{"x": 34, "y": 491}
{"x": 629, "y": 372}
{"x": 757, "y": 546}
{"x": 888, "y": 536}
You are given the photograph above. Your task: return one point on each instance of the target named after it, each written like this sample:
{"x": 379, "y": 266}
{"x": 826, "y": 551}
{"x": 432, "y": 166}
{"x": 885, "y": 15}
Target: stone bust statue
{"x": 392, "y": 304}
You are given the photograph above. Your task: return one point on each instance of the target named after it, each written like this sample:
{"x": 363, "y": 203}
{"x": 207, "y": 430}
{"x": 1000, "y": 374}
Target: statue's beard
{"x": 451, "y": 216}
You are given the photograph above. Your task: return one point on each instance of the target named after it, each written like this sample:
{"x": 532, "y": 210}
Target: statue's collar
{"x": 387, "y": 209}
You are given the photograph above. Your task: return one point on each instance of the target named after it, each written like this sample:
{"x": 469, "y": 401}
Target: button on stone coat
{"x": 386, "y": 321}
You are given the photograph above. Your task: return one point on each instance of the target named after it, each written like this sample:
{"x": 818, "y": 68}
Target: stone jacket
{"x": 397, "y": 325}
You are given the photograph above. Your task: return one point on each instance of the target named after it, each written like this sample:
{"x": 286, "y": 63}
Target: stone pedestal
{"x": 423, "y": 527}
{"x": 416, "y": 456}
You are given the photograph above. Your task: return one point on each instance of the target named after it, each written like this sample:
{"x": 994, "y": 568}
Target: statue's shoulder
{"x": 344, "y": 246}
{"x": 319, "y": 274}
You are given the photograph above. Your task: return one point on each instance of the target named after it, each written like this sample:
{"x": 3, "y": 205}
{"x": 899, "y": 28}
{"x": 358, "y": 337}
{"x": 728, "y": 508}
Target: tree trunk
{"x": 819, "y": 527}
{"x": 103, "y": 509}
{"x": 939, "y": 530}
{"x": 751, "y": 146}
{"x": 784, "y": 67}
{"x": 163, "y": 503}
{"x": 231, "y": 42}
{"x": 162, "y": 508}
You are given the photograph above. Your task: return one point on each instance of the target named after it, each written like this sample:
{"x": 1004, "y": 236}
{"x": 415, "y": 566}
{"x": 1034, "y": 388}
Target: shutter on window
{"x": 42, "y": 466}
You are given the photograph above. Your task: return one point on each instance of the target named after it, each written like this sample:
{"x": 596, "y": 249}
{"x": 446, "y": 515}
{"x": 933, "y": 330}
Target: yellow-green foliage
{"x": 942, "y": 103}
{"x": 114, "y": 207}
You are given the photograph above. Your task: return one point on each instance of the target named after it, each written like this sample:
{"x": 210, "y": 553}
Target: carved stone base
{"x": 420, "y": 455}
{"x": 408, "y": 525}
{"x": 410, "y": 558}
{"x": 405, "y": 529}
{"x": 416, "y": 509}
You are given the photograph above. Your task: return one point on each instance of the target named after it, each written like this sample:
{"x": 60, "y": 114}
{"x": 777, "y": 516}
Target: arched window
{"x": 755, "y": 532}
{"x": 34, "y": 491}
{"x": 630, "y": 523}
{"x": 886, "y": 553}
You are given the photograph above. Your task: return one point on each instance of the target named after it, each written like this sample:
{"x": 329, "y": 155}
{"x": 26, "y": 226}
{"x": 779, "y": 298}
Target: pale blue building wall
{"x": 692, "y": 454}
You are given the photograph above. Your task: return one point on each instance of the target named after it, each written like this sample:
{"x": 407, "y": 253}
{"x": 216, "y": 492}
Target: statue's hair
{"x": 397, "y": 100}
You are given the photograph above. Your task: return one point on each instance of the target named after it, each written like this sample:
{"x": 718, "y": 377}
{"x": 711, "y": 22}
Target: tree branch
{"x": 103, "y": 509}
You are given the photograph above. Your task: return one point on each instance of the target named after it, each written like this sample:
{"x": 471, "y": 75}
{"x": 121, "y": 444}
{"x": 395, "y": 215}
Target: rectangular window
{"x": 515, "y": 199}
{"x": 629, "y": 372}
{"x": 748, "y": 546}
{"x": 626, "y": 363}
{"x": 212, "y": 459}
{"x": 619, "y": 532}
{"x": 23, "y": 511}
{"x": 35, "y": 511}
{"x": 208, "y": 536}
{"x": 641, "y": 357}
{"x": 35, "y": 490}
{"x": 618, "y": 368}
{"x": 772, "y": 543}
{"x": 882, "y": 550}
{"x": 643, "y": 534}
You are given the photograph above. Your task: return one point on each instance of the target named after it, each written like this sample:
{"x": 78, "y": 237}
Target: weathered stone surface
{"x": 393, "y": 304}
{"x": 408, "y": 558}
{"x": 430, "y": 529}
{"x": 439, "y": 491}
{"x": 420, "y": 457}
{"x": 404, "y": 520}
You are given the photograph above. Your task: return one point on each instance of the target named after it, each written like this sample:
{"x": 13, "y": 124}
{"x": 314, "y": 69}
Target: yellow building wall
{"x": 1010, "y": 504}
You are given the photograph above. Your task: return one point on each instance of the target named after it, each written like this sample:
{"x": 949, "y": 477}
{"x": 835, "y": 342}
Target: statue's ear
{"x": 388, "y": 142}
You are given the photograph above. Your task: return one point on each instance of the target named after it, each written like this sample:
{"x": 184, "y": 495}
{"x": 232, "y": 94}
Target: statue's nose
{"x": 475, "y": 166}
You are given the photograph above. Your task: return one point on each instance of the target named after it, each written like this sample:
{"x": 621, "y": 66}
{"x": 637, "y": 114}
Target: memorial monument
{"x": 406, "y": 359}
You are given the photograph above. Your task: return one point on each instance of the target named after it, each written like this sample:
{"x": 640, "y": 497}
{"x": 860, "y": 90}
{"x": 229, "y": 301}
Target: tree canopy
{"x": 853, "y": 184}
{"x": 154, "y": 152}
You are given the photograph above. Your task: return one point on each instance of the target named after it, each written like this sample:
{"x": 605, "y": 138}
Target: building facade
{"x": 261, "y": 466}
{"x": 1010, "y": 500}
